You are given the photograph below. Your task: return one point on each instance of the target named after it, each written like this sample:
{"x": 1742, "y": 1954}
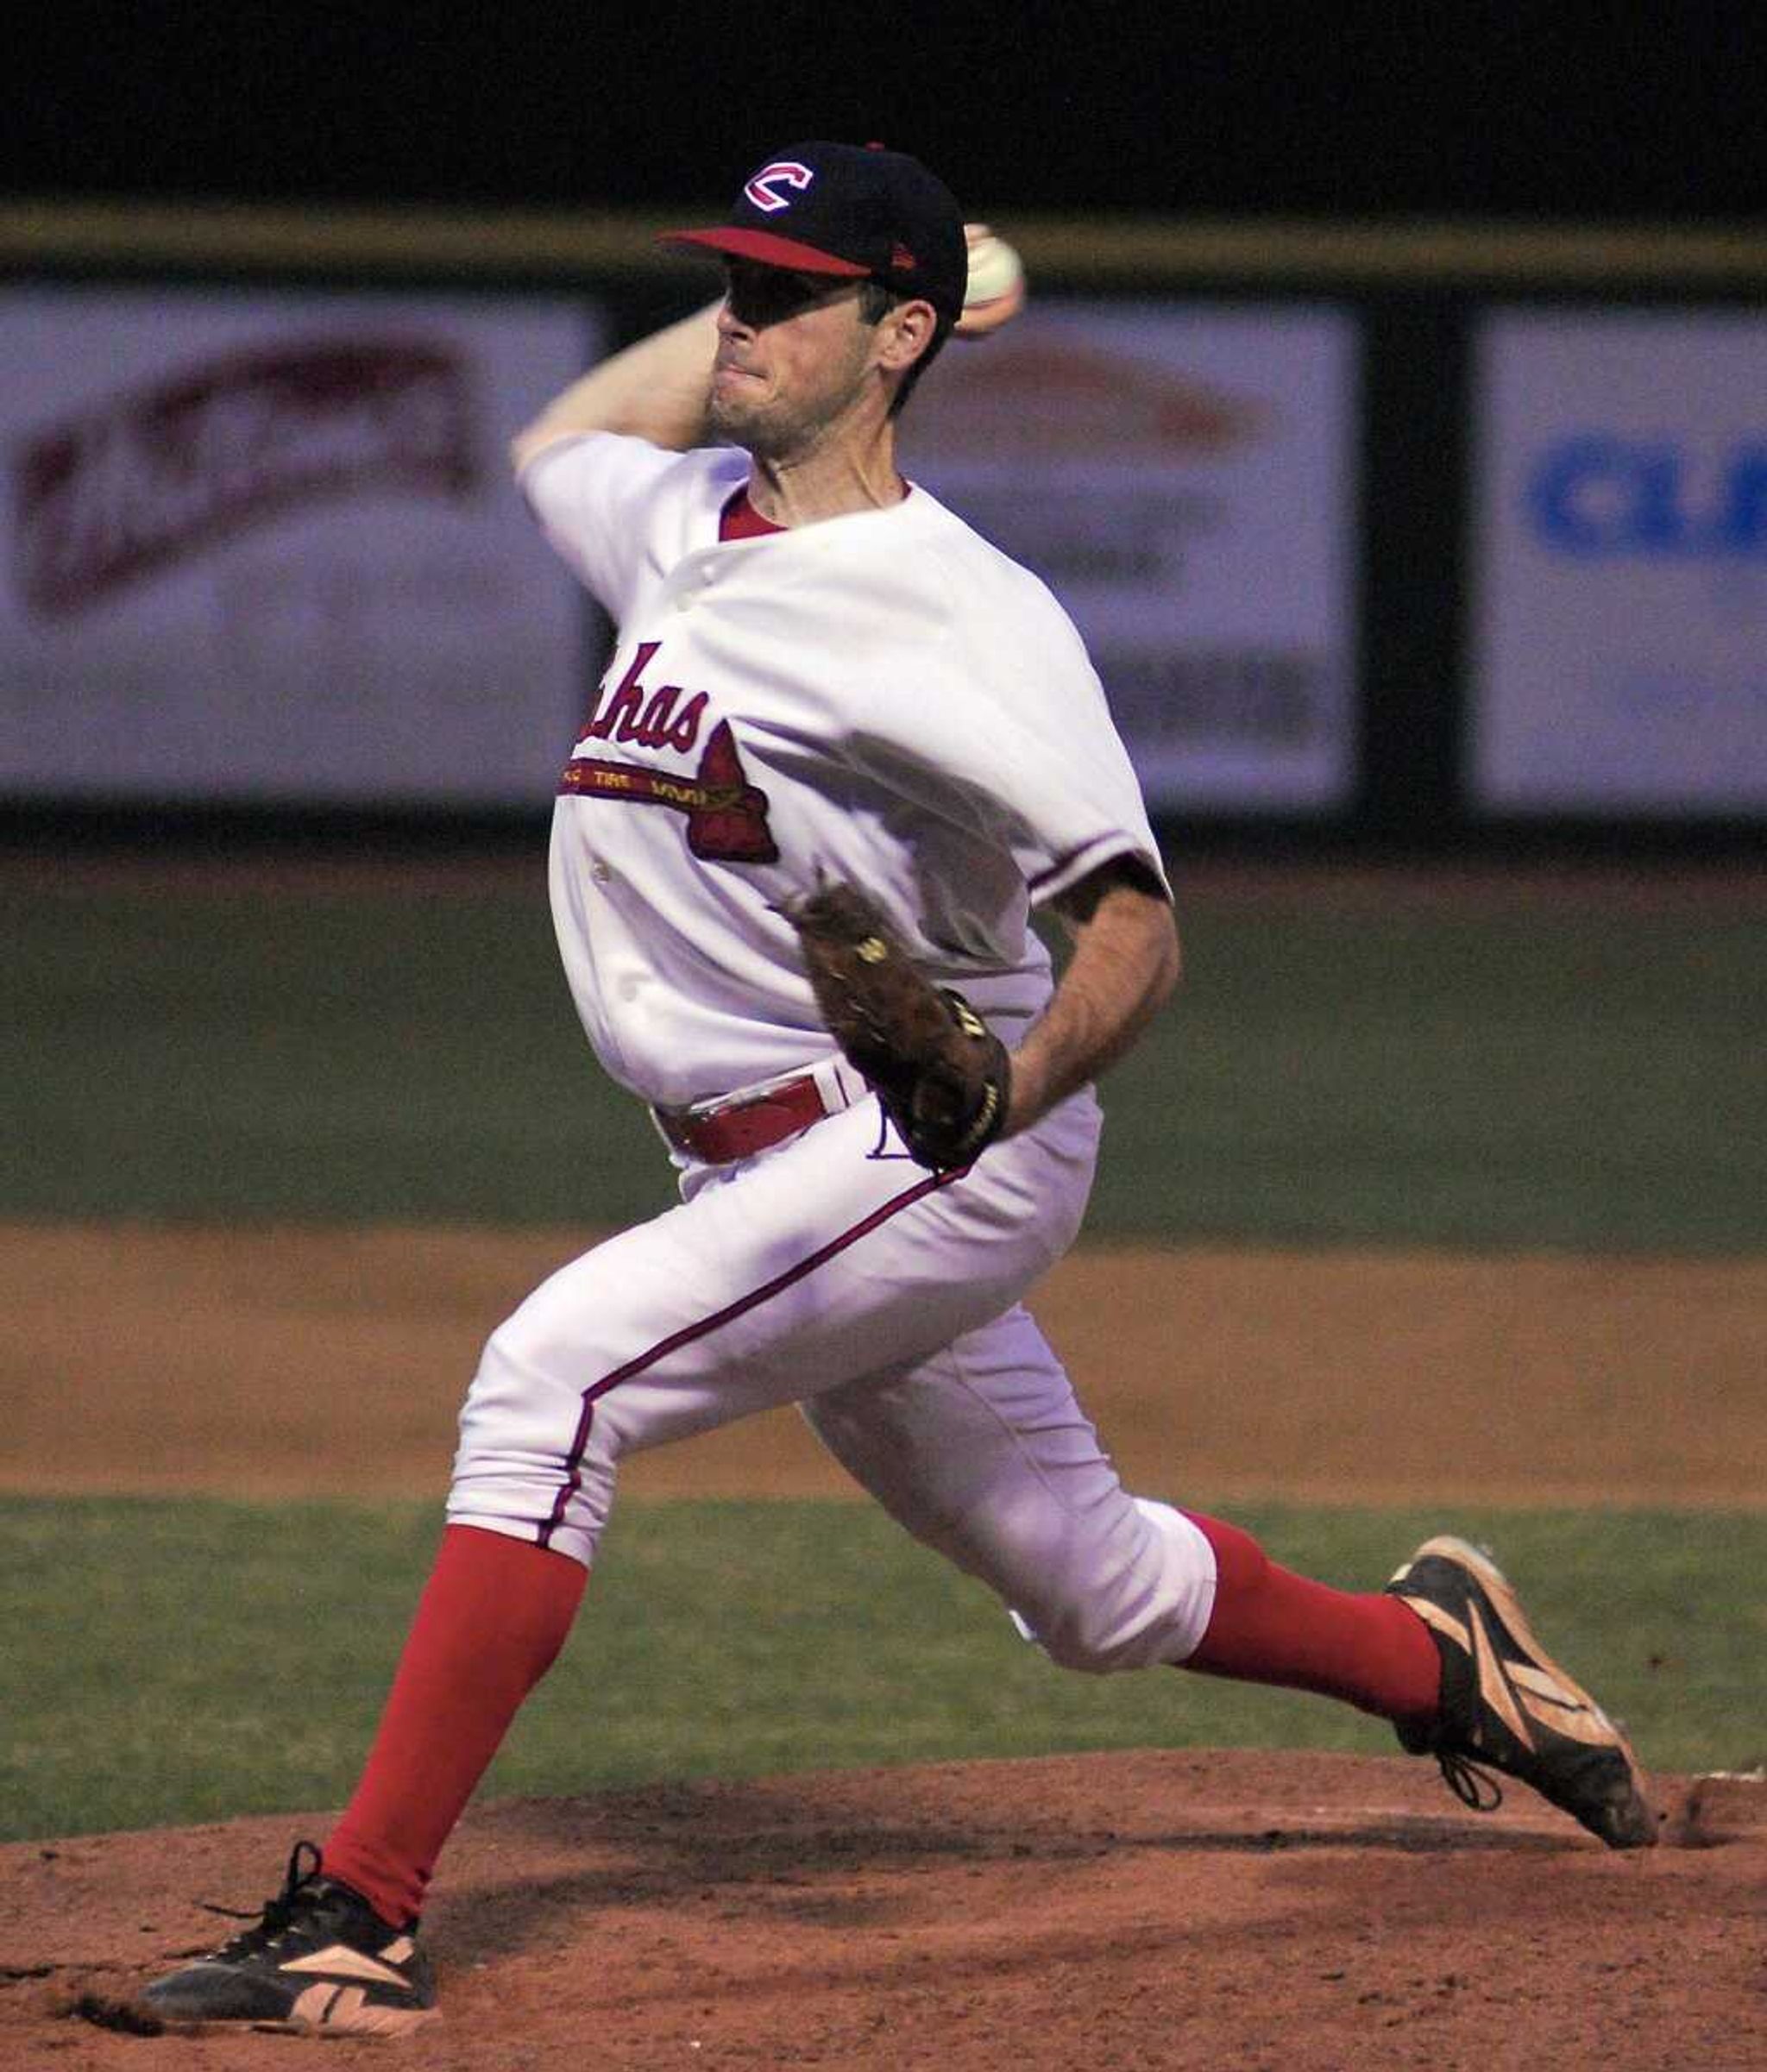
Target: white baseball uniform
{"x": 881, "y": 697}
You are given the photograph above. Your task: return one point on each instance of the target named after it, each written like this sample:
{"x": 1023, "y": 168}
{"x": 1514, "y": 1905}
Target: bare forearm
{"x": 654, "y": 390}
{"x": 1124, "y": 966}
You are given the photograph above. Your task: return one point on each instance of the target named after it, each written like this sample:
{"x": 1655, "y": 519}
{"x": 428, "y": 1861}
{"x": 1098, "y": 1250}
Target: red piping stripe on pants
{"x": 573, "y": 1459}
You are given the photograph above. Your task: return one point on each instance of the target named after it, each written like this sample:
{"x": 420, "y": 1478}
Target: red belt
{"x": 718, "y": 1136}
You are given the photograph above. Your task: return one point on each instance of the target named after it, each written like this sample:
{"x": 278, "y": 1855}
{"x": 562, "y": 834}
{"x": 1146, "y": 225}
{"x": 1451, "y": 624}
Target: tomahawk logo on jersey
{"x": 726, "y": 816}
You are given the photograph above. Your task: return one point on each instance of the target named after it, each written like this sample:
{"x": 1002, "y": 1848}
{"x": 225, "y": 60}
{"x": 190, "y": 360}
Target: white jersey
{"x": 881, "y": 697}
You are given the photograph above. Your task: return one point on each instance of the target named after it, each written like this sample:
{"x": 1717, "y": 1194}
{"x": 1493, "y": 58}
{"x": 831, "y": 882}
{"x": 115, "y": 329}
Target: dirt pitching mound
{"x": 1157, "y": 1909}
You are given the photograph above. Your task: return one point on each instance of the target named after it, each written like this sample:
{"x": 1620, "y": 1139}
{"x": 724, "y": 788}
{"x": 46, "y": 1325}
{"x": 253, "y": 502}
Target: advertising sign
{"x": 264, "y": 546}
{"x": 1620, "y": 624}
{"x": 1184, "y": 477}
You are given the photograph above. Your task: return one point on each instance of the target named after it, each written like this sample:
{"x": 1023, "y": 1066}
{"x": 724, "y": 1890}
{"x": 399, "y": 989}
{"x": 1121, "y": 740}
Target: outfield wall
{"x": 1435, "y": 533}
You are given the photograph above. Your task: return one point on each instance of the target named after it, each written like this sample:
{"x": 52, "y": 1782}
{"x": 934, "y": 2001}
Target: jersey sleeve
{"x": 596, "y": 497}
{"x": 1017, "y": 740}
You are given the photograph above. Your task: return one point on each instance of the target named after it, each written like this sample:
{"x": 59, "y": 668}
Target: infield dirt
{"x": 279, "y": 1362}
{"x": 1306, "y": 1913}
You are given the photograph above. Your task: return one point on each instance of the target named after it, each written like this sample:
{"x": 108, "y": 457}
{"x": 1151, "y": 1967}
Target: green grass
{"x": 1576, "y": 1076}
{"x": 175, "y": 1661}
{"x": 1573, "y": 1077}
{"x": 336, "y": 1057}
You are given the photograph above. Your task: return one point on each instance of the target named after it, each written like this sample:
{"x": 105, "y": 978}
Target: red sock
{"x": 492, "y": 1618}
{"x": 1271, "y": 1627}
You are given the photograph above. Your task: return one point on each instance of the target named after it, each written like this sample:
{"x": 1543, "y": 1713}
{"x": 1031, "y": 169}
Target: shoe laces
{"x": 276, "y": 1917}
{"x": 1474, "y": 1788}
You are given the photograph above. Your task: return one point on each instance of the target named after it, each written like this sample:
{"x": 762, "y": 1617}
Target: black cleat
{"x": 1506, "y": 1703}
{"x": 319, "y": 1960}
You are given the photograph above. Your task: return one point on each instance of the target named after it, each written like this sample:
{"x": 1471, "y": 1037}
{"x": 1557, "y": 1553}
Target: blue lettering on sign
{"x": 1597, "y": 494}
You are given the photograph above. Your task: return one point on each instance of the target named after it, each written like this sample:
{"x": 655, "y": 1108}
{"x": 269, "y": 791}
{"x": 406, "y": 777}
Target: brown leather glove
{"x": 943, "y": 1075}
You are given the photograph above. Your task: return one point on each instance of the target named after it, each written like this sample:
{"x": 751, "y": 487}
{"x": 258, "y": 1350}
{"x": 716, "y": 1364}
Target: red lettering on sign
{"x": 147, "y": 477}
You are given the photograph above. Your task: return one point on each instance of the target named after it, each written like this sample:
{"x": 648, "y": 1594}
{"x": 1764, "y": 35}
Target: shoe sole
{"x": 363, "y": 2021}
{"x": 1640, "y": 1829}
{"x": 373, "y": 2021}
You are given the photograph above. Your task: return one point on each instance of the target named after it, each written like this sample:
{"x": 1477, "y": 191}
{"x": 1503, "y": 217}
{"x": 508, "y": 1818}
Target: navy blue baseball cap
{"x": 853, "y": 211}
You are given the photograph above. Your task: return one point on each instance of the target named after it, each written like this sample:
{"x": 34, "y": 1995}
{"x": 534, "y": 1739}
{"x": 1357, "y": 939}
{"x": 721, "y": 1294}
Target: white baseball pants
{"x": 832, "y": 1272}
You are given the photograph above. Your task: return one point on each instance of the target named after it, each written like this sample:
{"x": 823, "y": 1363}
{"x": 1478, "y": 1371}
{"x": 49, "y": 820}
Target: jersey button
{"x": 601, "y": 873}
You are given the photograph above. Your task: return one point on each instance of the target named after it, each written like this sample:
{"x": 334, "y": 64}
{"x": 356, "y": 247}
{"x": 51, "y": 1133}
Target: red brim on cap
{"x": 767, "y": 250}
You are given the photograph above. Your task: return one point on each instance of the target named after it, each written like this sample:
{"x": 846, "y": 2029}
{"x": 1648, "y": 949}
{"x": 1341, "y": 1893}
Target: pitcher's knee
{"x": 1103, "y": 1636}
{"x": 1092, "y": 1646}
{"x": 514, "y": 1409}
{"x": 517, "y": 1363}
{"x": 1150, "y": 1608}
{"x": 530, "y": 1461}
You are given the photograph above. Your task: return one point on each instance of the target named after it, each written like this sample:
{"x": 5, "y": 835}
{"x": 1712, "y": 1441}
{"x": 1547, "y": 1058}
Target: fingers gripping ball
{"x": 995, "y": 291}
{"x": 941, "y": 1072}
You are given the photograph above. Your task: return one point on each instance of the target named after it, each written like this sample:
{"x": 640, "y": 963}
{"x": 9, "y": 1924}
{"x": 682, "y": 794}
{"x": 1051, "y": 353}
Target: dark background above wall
{"x": 1474, "y": 109}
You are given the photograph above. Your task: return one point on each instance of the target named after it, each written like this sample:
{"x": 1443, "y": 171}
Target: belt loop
{"x": 838, "y": 1085}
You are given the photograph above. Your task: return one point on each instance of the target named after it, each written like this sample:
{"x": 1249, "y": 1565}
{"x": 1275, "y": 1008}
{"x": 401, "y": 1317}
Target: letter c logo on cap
{"x": 763, "y": 190}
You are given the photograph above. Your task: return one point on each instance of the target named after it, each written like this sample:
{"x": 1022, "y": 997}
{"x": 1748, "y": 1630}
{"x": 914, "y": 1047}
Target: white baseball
{"x": 996, "y": 289}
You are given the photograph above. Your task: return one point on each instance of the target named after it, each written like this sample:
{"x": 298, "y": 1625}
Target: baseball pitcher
{"x": 844, "y": 752}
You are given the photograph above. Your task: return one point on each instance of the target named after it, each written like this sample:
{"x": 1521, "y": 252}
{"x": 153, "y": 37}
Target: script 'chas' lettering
{"x": 647, "y": 718}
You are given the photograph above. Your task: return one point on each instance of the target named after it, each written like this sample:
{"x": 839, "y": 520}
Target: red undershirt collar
{"x": 739, "y": 520}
